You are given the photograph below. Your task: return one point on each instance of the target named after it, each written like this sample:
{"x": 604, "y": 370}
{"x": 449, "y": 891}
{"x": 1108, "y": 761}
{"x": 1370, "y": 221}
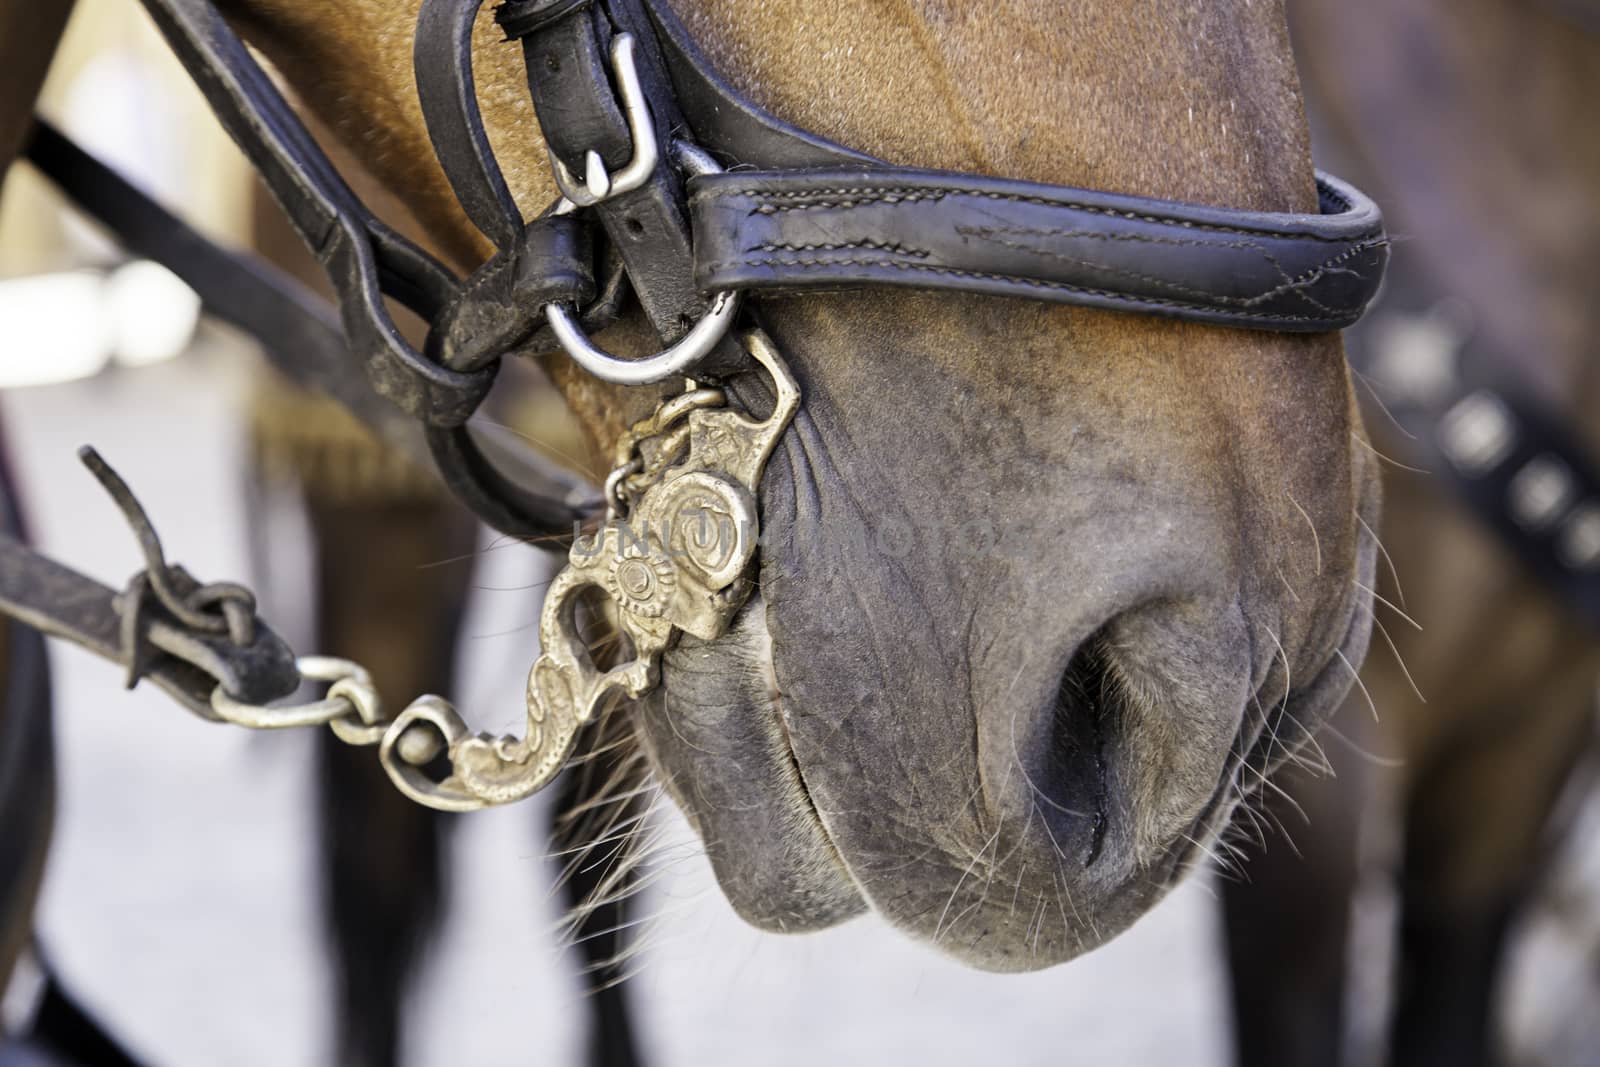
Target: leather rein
{"x": 680, "y": 197}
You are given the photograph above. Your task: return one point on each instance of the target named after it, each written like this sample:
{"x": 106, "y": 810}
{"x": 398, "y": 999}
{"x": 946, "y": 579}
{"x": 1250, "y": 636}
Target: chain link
{"x": 644, "y": 454}
{"x": 356, "y": 699}
{"x": 352, "y": 709}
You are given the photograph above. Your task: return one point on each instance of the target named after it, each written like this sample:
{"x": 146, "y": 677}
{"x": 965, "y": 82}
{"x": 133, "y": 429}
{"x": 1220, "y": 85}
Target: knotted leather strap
{"x": 841, "y": 227}
{"x": 58, "y": 601}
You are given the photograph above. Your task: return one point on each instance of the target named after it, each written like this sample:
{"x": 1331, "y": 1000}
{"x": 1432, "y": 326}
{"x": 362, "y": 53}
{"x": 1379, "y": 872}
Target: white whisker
{"x": 1316, "y": 539}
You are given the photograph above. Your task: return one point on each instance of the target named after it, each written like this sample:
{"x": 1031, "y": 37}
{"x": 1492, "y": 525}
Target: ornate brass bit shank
{"x": 677, "y": 560}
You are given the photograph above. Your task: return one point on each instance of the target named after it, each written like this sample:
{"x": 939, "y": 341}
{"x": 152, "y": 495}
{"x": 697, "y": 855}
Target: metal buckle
{"x": 597, "y": 184}
{"x": 691, "y": 348}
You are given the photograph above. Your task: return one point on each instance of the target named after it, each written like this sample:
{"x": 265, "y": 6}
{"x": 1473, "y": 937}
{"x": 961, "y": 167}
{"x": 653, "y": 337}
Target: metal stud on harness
{"x": 634, "y": 120}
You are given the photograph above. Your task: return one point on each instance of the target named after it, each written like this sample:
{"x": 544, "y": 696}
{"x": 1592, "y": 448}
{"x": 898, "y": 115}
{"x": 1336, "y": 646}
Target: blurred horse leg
{"x": 70, "y": 1035}
{"x": 393, "y": 572}
{"x": 380, "y": 530}
{"x": 1477, "y": 830}
{"x": 383, "y": 869}
{"x": 1432, "y": 99}
{"x": 596, "y": 886}
{"x": 27, "y": 770}
{"x": 1287, "y": 912}
{"x": 29, "y": 32}
{"x": 386, "y": 598}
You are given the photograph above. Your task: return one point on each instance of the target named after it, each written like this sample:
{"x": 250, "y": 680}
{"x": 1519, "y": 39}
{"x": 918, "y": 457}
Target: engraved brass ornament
{"x": 673, "y": 554}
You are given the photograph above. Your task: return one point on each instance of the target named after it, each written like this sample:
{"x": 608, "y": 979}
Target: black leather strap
{"x": 364, "y": 258}
{"x": 1509, "y": 457}
{"x": 502, "y": 303}
{"x": 568, "y": 77}
{"x": 1557, "y": 544}
{"x": 858, "y": 223}
{"x": 499, "y": 308}
{"x": 366, "y": 261}
{"x": 301, "y": 334}
{"x": 442, "y": 63}
{"x": 810, "y": 229}
{"x": 528, "y": 506}
{"x": 566, "y": 52}
{"x": 65, "y": 1034}
{"x": 60, "y": 602}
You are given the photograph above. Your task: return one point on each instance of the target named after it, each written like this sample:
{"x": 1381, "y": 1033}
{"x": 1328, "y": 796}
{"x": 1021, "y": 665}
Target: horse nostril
{"x": 1075, "y": 766}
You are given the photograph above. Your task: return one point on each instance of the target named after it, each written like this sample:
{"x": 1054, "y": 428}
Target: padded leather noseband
{"x": 798, "y": 230}
{"x": 802, "y": 213}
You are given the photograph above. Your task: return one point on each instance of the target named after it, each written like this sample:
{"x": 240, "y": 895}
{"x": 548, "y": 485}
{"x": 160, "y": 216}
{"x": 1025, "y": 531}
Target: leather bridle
{"x": 680, "y": 197}
{"x": 800, "y": 213}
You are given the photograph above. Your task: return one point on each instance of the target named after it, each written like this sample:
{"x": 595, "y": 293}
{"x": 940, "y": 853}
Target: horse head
{"x": 1044, "y": 592}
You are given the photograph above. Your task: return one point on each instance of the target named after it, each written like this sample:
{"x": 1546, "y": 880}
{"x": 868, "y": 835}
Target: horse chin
{"x": 891, "y": 728}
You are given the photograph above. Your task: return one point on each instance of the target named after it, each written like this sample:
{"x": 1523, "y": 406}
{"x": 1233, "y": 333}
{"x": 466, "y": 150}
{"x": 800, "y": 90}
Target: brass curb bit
{"x": 680, "y": 531}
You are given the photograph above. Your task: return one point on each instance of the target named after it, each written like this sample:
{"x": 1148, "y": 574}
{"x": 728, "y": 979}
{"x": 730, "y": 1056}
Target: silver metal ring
{"x": 677, "y": 360}
{"x": 286, "y": 716}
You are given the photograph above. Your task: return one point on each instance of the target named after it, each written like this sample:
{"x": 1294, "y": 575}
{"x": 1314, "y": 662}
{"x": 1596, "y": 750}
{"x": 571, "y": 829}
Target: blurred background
{"x": 185, "y": 901}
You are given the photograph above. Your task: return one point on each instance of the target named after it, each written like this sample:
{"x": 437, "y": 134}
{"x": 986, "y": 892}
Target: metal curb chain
{"x": 353, "y": 708}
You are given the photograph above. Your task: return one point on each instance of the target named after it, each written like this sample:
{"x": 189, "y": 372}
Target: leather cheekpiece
{"x": 503, "y": 301}
{"x": 567, "y": 77}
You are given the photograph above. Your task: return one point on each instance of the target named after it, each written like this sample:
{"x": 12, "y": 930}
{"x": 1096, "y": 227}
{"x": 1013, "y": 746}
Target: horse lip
{"x": 1183, "y": 853}
{"x": 729, "y": 761}
{"x": 780, "y": 718}
{"x": 809, "y": 802}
